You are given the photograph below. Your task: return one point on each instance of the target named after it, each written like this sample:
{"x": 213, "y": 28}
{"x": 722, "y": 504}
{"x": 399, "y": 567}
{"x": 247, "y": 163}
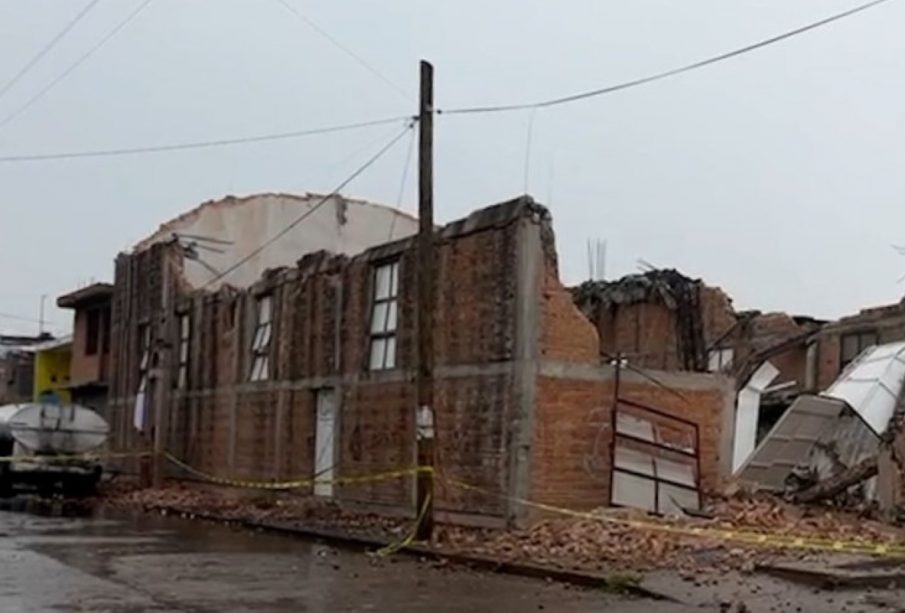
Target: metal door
{"x": 325, "y": 443}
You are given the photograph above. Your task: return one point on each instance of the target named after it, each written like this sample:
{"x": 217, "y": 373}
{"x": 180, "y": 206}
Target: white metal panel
{"x": 325, "y": 443}
{"x": 673, "y": 500}
{"x": 871, "y": 384}
{"x": 633, "y": 425}
{"x": 680, "y": 472}
{"x": 633, "y": 491}
{"x": 747, "y": 412}
{"x": 633, "y": 460}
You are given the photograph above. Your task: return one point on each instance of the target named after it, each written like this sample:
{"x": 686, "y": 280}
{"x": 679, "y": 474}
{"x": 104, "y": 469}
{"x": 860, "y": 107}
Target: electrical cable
{"x": 84, "y": 57}
{"x": 254, "y": 252}
{"x": 50, "y": 45}
{"x": 200, "y": 144}
{"x": 361, "y": 61}
{"x": 402, "y": 181}
{"x": 668, "y": 73}
{"x": 31, "y": 320}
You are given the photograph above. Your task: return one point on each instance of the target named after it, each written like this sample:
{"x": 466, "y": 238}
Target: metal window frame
{"x": 144, "y": 353}
{"x": 185, "y": 336}
{"x": 860, "y": 335}
{"x": 260, "y": 355}
{"x": 695, "y": 454}
{"x": 392, "y": 298}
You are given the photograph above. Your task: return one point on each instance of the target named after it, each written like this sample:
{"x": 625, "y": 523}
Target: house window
{"x": 105, "y": 331}
{"x": 853, "y": 344}
{"x": 384, "y": 314}
{"x": 720, "y": 360}
{"x": 260, "y": 346}
{"x": 144, "y": 349}
{"x": 185, "y": 329}
{"x": 92, "y": 331}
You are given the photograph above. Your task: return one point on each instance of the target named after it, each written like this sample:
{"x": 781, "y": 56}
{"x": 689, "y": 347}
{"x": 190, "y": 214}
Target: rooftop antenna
{"x": 645, "y": 266}
{"x": 202, "y": 239}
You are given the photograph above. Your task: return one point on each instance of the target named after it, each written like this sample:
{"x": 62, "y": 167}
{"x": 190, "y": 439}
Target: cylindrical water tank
{"x": 51, "y": 428}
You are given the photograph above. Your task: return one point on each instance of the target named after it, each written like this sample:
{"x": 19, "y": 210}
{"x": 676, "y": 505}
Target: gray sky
{"x": 776, "y": 175}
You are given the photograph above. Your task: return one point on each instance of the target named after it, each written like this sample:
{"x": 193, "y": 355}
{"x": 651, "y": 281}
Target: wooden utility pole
{"x": 426, "y": 274}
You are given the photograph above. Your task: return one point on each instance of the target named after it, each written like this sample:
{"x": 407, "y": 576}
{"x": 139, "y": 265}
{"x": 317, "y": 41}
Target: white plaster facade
{"x": 339, "y": 225}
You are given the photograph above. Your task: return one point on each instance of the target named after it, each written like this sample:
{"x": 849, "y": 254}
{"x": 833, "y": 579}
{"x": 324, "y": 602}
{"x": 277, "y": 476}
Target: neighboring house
{"x": 663, "y": 319}
{"x": 89, "y": 371}
{"x": 17, "y": 367}
{"x": 660, "y": 319}
{"x": 307, "y": 368}
{"x": 51, "y": 370}
{"x": 841, "y": 341}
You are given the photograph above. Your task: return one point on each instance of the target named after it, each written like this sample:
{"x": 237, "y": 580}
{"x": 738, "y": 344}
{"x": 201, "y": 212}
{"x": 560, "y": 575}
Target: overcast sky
{"x": 777, "y": 175}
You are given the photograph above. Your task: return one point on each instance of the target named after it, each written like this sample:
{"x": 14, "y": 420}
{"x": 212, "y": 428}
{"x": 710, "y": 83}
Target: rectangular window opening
{"x": 853, "y": 344}
{"x": 144, "y": 350}
{"x": 260, "y": 345}
{"x": 384, "y": 317}
{"x": 185, "y": 330}
{"x": 92, "y": 331}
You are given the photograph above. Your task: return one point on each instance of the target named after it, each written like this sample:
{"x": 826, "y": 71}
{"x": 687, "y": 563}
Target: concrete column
{"x": 529, "y": 269}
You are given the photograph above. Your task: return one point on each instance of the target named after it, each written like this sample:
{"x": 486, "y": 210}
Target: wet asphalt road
{"x": 145, "y": 563}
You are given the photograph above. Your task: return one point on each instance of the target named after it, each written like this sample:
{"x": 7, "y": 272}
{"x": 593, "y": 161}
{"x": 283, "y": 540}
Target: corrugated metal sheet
{"x": 817, "y": 433}
{"x": 747, "y": 412}
{"x": 849, "y": 442}
{"x": 789, "y": 443}
{"x": 871, "y": 384}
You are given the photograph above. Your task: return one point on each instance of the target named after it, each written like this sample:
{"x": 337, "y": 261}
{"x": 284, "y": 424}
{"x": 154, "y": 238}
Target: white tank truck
{"x": 41, "y": 445}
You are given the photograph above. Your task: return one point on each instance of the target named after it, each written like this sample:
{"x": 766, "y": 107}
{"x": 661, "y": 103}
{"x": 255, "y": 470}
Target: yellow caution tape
{"x": 410, "y": 537}
{"x": 739, "y": 536}
{"x": 297, "y": 483}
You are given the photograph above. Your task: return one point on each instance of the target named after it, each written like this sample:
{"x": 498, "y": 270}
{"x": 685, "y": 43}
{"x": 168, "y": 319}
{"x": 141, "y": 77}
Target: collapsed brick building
{"x": 309, "y": 371}
{"x": 664, "y": 319}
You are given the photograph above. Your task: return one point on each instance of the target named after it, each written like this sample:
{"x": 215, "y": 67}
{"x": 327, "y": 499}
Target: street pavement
{"x": 149, "y": 563}
{"x": 54, "y": 561}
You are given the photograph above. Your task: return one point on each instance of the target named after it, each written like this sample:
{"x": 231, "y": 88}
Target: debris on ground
{"x": 285, "y": 509}
{"x": 601, "y": 541}
{"x": 607, "y": 542}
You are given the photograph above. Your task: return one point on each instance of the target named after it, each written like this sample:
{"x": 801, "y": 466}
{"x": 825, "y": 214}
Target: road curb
{"x": 585, "y": 579}
{"x": 831, "y": 578}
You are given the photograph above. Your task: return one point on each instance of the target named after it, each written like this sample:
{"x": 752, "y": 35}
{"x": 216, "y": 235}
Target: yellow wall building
{"x": 52, "y": 360}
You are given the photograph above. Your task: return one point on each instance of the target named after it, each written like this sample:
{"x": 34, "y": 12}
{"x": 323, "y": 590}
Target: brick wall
{"x": 226, "y": 425}
{"x": 572, "y": 436}
{"x": 643, "y": 326}
{"x": 566, "y": 334}
{"x": 521, "y": 397}
{"x": 571, "y": 460}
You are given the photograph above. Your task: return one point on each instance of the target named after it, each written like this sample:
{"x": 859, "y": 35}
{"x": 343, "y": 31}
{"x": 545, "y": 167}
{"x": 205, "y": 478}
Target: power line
{"x": 402, "y": 182}
{"x": 50, "y": 45}
{"x": 32, "y": 320}
{"x": 122, "y": 24}
{"x": 199, "y": 144}
{"x": 311, "y": 210}
{"x": 355, "y": 56}
{"x": 666, "y": 74}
